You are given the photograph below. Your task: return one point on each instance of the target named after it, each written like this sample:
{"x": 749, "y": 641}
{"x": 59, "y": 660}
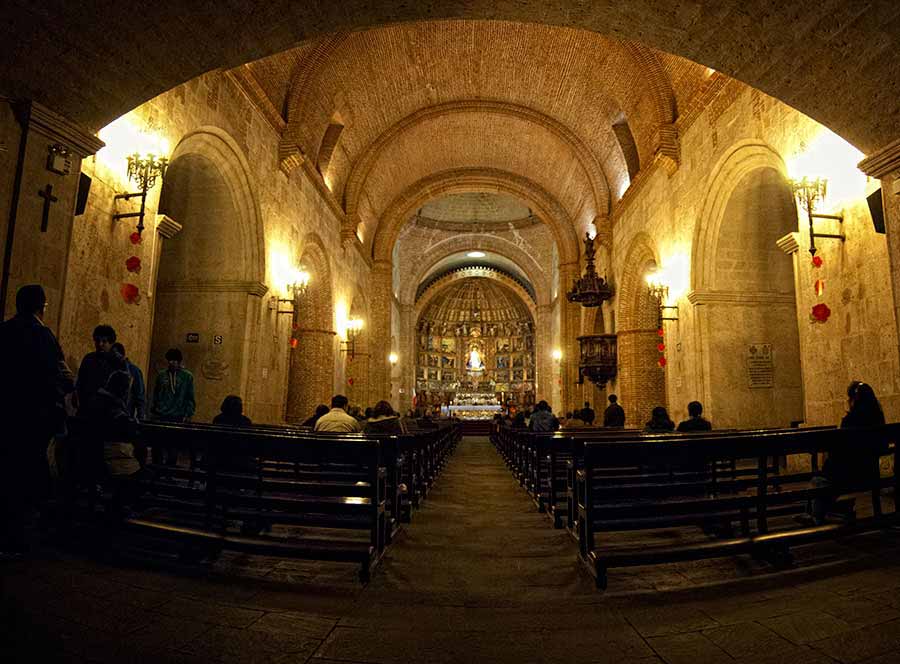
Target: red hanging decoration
{"x": 660, "y": 346}
{"x": 135, "y": 238}
{"x": 819, "y": 287}
{"x": 660, "y": 332}
{"x": 817, "y": 261}
{"x": 820, "y": 313}
{"x": 130, "y": 293}
{"x": 350, "y": 381}
{"x": 133, "y": 264}
{"x": 662, "y": 362}
{"x": 294, "y": 343}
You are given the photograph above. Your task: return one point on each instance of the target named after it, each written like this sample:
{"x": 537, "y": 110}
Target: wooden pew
{"x": 678, "y": 492}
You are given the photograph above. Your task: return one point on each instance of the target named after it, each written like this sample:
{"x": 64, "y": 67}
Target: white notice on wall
{"x": 760, "y": 366}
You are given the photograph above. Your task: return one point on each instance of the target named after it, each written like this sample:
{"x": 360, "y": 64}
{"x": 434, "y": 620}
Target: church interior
{"x": 477, "y": 213}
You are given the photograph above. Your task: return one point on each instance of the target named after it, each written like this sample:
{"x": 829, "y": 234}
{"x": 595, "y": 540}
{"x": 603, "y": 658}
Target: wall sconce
{"x": 297, "y": 288}
{"x": 557, "y": 355}
{"x": 143, "y": 170}
{"x": 660, "y": 291}
{"x": 354, "y": 326}
{"x": 392, "y": 358}
{"x": 809, "y": 193}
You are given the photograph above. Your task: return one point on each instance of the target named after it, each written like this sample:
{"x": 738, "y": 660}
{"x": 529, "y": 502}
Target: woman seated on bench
{"x": 848, "y": 468}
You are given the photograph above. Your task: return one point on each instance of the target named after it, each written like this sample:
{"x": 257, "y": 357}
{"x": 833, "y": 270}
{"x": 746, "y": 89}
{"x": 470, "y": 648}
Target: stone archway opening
{"x": 203, "y": 304}
{"x": 356, "y": 367}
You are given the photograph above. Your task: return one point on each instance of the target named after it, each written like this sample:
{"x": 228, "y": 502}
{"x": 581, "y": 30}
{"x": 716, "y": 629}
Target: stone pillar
{"x": 641, "y": 382}
{"x": 569, "y": 327}
{"x": 380, "y": 284}
{"x": 407, "y": 359}
{"x": 39, "y": 178}
{"x": 311, "y": 378}
{"x": 790, "y": 244}
{"x": 544, "y": 363}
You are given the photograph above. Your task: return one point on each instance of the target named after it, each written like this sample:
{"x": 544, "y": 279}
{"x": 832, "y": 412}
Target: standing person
{"x": 588, "y": 415}
{"x": 543, "y": 419}
{"x": 614, "y": 415}
{"x": 659, "y": 422}
{"x": 173, "y": 399}
{"x": 96, "y": 368}
{"x": 337, "y": 418}
{"x": 33, "y": 385}
{"x": 696, "y": 422}
{"x": 137, "y": 394}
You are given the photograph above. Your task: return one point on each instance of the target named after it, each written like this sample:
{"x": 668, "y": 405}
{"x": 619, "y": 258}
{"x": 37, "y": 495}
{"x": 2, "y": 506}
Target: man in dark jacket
{"x": 137, "y": 393}
{"x": 96, "y": 368}
{"x": 696, "y": 422}
{"x": 33, "y": 387}
{"x": 614, "y": 415}
{"x": 588, "y": 415}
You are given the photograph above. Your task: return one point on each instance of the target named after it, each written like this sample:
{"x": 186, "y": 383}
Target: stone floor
{"x": 478, "y": 576}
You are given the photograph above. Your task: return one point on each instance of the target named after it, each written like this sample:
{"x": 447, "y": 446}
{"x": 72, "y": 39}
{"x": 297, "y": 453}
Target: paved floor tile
{"x": 801, "y": 628}
{"x": 689, "y": 648}
{"x": 748, "y": 640}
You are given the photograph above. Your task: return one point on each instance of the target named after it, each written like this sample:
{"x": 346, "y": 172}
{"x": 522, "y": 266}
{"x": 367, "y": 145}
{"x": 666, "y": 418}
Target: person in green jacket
{"x": 173, "y": 399}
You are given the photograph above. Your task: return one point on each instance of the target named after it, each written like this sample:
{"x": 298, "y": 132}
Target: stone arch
{"x": 535, "y": 273}
{"x": 219, "y": 147}
{"x": 741, "y": 274}
{"x": 742, "y": 158}
{"x": 311, "y": 374}
{"x": 546, "y": 208}
{"x": 211, "y": 275}
{"x": 362, "y": 167}
{"x": 640, "y": 381}
{"x": 458, "y": 275}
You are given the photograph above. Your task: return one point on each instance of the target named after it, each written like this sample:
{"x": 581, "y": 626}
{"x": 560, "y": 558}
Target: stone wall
{"x": 741, "y": 131}
{"x": 286, "y": 215}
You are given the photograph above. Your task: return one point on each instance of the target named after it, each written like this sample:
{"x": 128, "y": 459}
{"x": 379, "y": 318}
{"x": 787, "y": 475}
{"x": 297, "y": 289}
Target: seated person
{"x": 696, "y": 422}
{"x": 574, "y": 421}
{"x": 384, "y": 420}
{"x": 337, "y": 419}
{"x": 232, "y": 413}
{"x": 310, "y": 421}
{"x": 614, "y": 415}
{"x": 543, "y": 419}
{"x": 659, "y": 422}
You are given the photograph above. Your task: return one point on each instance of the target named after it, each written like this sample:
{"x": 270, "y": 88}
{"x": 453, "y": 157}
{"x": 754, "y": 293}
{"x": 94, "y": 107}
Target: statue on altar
{"x": 474, "y": 361}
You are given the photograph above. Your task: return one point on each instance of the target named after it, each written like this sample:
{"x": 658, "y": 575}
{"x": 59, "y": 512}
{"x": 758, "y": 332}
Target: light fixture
{"x": 297, "y": 288}
{"x": 590, "y": 290}
{"x": 659, "y": 291}
{"x": 809, "y": 193}
{"x": 475, "y": 254}
{"x": 392, "y": 358}
{"x": 143, "y": 170}
{"x": 557, "y": 354}
{"x": 352, "y": 330}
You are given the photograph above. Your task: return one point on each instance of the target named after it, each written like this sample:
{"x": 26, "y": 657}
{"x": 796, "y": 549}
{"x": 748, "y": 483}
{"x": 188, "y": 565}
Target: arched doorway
{"x": 208, "y": 279}
{"x": 748, "y": 322}
{"x": 311, "y": 375}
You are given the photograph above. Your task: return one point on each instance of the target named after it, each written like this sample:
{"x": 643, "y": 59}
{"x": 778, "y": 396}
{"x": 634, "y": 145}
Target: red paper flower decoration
{"x": 660, "y": 346}
{"x": 660, "y": 333}
{"x": 821, "y": 312}
{"x": 817, "y": 261}
{"x": 819, "y": 287}
{"x": 350, "y": 381}
{"x": 294, "y": 343}
{"x": 131, "y": 293}
{"x": 133, "y": 264}
{"x": 135, "y": 238}
{"x": 662, "y": 362}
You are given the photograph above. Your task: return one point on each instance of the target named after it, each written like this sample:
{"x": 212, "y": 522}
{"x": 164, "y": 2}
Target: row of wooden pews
{"x": 285, "y": 491}
{"x": 633, "y": 498}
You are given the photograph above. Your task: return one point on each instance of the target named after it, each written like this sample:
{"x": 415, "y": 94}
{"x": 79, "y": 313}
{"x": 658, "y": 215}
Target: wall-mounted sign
{"x": 192, "y": 338}
{"x": 760, "y": 366}
{"x": 217, "y": 340}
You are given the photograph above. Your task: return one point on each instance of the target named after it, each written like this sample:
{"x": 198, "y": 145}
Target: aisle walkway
{"x": 479, "y": 576}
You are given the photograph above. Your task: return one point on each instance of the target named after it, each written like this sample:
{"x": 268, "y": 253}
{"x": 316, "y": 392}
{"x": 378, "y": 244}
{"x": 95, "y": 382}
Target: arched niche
{"x": 747, "y": 319}
{"x": 356, "y": 365}
{"x": 209, "y": 277}
{"x": 311, "y": 374}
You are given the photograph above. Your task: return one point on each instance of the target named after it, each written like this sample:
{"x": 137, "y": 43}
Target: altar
{"x": 474, "y": 412}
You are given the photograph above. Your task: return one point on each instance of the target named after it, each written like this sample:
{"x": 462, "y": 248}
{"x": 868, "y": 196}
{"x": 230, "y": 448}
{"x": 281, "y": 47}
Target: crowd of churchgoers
{"x": 46, "y": 407}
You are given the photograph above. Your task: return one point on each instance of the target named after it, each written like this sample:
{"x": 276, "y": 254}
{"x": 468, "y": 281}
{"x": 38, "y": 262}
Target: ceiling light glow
{"x": 475, "y": 254}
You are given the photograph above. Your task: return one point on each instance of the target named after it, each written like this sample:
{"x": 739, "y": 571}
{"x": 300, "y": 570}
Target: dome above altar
{"x": 475, "y": 300}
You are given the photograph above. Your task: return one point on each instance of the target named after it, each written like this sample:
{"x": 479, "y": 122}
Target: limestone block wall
{"x": 290, "y": 213}
{"x": 738, "y": 131}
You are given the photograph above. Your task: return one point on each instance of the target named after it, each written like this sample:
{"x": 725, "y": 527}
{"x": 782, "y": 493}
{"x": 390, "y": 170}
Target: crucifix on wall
{"x": 47, "y": 194}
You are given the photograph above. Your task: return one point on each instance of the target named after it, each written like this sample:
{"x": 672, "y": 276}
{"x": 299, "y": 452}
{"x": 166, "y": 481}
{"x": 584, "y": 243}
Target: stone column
{"x": 790, "y": 244}
{"x": 311, "y": 378}
{"x": 407, "y": 353}
{"x": 38, "y": 185}
{"x": 543, "y": 348}
{"x": 380, "y": 285}
{"x": 569, "y": 326}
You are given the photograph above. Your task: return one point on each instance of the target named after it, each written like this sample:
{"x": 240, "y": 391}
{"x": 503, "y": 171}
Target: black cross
{"x": 47, "y": 194}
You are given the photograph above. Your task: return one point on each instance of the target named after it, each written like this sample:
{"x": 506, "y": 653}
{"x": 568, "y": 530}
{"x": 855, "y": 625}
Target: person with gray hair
{"x": 33, "y": 387}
